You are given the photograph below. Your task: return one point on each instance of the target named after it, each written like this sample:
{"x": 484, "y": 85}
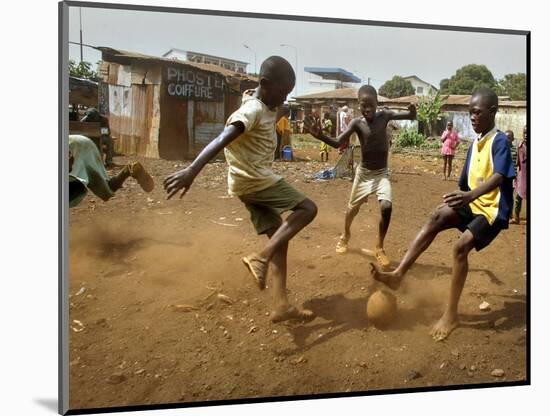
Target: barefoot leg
{"x": 449, "y": 320}
{"x": 283, "y": 310}
{"x": 449, "y": 166}
{"x": 278, "y": 273}
{"x": 383, "y": 225}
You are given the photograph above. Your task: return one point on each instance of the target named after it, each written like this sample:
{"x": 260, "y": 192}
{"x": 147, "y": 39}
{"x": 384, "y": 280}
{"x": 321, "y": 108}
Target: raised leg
{"x": 441, "y": 219}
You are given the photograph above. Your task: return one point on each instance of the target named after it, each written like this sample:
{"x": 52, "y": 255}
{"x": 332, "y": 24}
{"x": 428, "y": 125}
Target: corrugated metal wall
{"x": 133, "y": 115}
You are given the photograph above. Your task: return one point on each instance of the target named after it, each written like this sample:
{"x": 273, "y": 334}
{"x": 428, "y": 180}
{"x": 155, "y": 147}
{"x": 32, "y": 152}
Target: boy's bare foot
{"x": 292, "y": 313}
{"x": 443, "y": 327}
{"x": 138, "y": 172}
{"x": 390, "y": 279}
{"x": 382, "y": 258}
{"x": 342, "y": 245}
{"x": 257, "y": 266}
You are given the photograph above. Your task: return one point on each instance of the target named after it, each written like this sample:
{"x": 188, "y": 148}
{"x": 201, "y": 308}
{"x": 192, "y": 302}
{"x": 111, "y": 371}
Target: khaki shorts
{"x": 368, "y": 182}
{"x": 267, "y": 205}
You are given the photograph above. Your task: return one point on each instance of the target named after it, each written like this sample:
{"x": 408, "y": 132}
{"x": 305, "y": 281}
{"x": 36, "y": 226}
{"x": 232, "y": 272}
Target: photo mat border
{"x": 63, "y": 217}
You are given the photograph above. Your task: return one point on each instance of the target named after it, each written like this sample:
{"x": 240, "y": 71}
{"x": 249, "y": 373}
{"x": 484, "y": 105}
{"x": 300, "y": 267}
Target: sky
{"x": 375, "y": 52}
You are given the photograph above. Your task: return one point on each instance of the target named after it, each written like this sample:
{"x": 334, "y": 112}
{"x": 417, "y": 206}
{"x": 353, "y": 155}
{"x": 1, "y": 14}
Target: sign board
{"x": 193, "y": 84}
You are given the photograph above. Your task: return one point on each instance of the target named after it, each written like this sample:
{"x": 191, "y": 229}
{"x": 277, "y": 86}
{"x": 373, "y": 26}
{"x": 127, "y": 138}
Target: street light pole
{"x": 248, "y": 47}
{"x": 296, "y": 62}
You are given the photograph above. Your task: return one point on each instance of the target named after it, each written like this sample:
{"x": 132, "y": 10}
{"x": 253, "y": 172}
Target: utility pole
{"x": 254, "y": 52}
{"x": 80, "y": 13}
{"x": 296, "y": 64}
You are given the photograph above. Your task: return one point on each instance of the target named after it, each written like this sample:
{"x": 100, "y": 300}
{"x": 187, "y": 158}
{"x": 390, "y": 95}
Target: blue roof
{"x": 337, "y": 74}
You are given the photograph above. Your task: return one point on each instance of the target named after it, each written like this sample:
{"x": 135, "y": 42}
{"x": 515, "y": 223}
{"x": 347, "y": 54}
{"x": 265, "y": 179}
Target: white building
{"x": 421, "y": 87}
{"x": 230, "y": 64}
{"x": 326, "y": 79}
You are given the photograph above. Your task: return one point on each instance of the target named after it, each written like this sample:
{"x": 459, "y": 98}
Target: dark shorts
{"x": 266, "y": 206}
{"x": 478, "y": 225}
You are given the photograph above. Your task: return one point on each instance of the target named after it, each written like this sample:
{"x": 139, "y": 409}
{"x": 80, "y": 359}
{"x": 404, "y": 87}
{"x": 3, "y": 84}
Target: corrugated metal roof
{"x": 454, "y": 100}
{"x": 338, "y": 74}
{"x": 204, "y": 67}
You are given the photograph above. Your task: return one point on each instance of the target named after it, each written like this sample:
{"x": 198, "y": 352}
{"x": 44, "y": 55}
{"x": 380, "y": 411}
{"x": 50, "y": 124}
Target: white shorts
{"x": 368, "y": 182}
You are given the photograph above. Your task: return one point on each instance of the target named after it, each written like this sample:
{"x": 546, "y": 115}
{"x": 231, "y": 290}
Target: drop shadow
{"x": 49, "y": 404}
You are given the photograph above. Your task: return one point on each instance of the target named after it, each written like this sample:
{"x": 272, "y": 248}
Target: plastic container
{"x": 287, "y": 153}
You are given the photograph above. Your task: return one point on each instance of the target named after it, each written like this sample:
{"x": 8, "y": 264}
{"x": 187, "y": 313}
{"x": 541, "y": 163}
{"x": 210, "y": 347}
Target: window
{"x": 419, "y": 90}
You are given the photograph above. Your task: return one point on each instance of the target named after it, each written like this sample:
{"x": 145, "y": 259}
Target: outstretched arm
{"x": 183, "y": 179}
{"x": 313, "y": 129}
{"x": 458, "y": 199}
{"x": 404, "y": 115}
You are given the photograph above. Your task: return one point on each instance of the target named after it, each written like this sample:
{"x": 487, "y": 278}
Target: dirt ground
{"x": 134, "y": 258}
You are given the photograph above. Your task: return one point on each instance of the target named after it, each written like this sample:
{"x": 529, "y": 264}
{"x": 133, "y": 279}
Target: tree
{"x": 396, "y": 87}
{"x": 429, "y": 110}
{"x": 467, "y": 79}
{"x": 82, "y": 70}
{"x": 514, "y": 86}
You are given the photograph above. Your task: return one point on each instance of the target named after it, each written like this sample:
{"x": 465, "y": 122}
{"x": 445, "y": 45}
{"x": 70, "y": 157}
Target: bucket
{"x": 287, "y": 153}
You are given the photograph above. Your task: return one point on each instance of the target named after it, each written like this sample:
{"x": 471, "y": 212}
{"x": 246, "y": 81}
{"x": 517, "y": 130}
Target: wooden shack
{"x": 166, "y": 108}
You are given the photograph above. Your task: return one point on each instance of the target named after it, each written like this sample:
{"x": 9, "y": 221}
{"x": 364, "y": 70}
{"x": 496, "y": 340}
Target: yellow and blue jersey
{"x": 486, "y": 156}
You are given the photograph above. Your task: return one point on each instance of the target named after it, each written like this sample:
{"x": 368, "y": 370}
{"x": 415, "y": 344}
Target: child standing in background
{"x": 450, "y": 141}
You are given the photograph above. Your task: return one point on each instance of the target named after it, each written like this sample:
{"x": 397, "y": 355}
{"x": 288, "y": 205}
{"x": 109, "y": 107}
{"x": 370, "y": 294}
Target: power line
{"x": 82, "y": 44}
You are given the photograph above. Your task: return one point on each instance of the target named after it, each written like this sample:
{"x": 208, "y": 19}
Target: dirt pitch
{"x": 135, "y": 257}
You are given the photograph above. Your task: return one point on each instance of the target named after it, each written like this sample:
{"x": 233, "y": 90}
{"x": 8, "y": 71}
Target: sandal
{"x": 293, "y": 314}
{"x": 341, "y": 246}
{"x": 257, "y": 268}
{"x": 138, "y": 172}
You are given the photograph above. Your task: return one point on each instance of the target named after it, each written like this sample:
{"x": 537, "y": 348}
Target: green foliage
{"x": 410, "y": 138}
{"x": 514, "y": 86}
{"x": 82, "y": 70}
{"x": 396, "y": 87}
{"x": 429, "y": 110}
{"x": 467, "y": 79}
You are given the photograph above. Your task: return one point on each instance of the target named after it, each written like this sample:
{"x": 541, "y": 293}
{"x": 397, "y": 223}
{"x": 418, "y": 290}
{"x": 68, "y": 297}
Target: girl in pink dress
{"x": 521, "y": 178}
{"x": 450, "y": 141}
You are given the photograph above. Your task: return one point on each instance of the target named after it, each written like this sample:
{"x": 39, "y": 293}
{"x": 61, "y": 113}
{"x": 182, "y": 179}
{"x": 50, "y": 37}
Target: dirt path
{"x": 133, "y": 258}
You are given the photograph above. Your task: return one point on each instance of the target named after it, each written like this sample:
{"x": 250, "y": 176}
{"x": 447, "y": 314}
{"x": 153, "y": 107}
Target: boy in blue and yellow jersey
{"x": 481, "y": 208}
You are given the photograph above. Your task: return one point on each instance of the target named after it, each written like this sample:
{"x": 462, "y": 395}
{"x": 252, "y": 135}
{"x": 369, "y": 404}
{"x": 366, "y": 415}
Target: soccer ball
{"x": 381, "y": 308}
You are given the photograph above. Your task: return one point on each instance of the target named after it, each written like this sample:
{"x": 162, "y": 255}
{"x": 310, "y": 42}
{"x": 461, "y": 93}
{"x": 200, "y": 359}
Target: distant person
{"x": 521, "y": 179}
{"x": 327, "y": 131}
{"x": 283, "y": 131}
{"x": 512, "y": 144}
{"x": 86, "y": 172}
{"x": 450, "y": 141}
{"x": 372, "y": 176}
{"x": 344, "y": 120}
{"x": 93, "y": 115}
{"x": 248, "y": 143}
{"x": 480, "y": 209}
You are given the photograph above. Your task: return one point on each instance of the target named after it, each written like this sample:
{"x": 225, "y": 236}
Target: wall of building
{"x": 426, "y": 88}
